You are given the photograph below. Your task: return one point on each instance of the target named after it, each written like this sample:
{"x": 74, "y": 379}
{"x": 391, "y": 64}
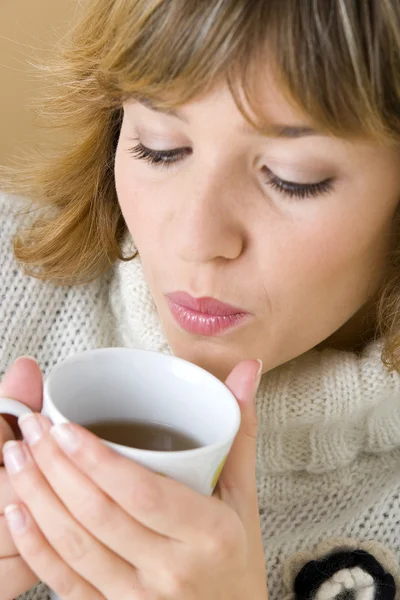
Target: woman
{"x": 228, "y": 191}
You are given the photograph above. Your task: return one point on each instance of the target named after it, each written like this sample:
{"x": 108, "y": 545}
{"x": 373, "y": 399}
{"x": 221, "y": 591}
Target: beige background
{"x": 28, "y": 28}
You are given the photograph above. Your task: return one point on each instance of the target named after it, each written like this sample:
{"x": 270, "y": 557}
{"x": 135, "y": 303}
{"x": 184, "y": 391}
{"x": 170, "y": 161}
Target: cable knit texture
{"x": 328, "y": 456}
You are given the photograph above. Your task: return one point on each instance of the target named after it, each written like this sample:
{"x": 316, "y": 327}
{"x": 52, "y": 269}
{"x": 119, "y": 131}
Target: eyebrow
{"x": 270, "y": 130}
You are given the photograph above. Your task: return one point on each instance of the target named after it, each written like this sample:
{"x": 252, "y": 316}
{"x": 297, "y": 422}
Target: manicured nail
{"x": 31, "y": 428}
{"x": 15, "y": 456}
{"x": 259, "y": 375}
{"x": 15, "y": 518}
{"x": 66, "y": 437}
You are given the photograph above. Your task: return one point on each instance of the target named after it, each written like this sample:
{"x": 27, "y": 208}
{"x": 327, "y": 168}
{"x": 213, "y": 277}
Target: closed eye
{"x": 293, "y": 189}
{"x": 159, "y": 158}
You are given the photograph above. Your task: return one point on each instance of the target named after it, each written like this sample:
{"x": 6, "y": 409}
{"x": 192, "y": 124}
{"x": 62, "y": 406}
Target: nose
{"x": 207, "y": 222}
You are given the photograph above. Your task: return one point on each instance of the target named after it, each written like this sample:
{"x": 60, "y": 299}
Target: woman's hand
{"x": 23, "y": 382}
{"x": 93, "y": 524}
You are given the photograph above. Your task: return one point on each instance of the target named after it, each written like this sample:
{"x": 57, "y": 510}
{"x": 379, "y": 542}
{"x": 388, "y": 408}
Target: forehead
{"x": 264, "y": 103}
{"x": 270, "y": 112}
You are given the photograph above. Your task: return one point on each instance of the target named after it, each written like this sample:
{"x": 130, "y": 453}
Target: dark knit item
{"x": 317, "y": 572}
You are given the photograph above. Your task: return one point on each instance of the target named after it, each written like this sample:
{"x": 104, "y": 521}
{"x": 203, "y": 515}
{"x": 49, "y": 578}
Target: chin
{"x": 207, "y": 354}
{"x": 218, "y": 368}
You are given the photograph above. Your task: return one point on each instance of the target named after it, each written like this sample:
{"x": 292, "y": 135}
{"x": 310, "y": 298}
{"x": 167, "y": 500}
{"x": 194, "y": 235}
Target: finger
{"x": 8, "y": 494}
{"x": 23, "y": 382}
{"x": 7, "y": 546}
{"x": 92, "y": 507}
{"x": 43, "y": 560}
{"x": 75, "y": 546}
{"x": 16, "y": 577}
{"x": 161, "y": 504}
{"x": 238, "y": 481}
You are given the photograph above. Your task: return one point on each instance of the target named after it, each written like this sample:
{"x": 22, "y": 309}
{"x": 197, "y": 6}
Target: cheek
{"x": 139, "y": 215}
{"x": 332, "y": 257}
{"x": 124, "y": 185}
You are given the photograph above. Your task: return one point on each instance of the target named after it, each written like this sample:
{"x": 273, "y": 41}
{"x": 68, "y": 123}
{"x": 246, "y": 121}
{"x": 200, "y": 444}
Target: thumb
{"x": 238, "y": 479}
{"x": 23, "y": 382}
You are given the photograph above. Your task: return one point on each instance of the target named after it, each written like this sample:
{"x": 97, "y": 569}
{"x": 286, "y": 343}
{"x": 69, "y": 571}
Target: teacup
{"x": 126, "y": 384}
{"x": 137, "y": 385}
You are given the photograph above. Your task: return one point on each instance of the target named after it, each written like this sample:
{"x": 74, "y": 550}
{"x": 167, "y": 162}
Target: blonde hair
{"x": 338, "y": 60}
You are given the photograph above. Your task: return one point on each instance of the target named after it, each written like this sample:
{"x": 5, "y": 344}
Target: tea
{"x": 144, "y": 435}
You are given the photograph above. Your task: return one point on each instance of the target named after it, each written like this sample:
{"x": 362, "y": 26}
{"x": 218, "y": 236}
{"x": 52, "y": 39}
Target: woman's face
{"x": 291, "y": 228}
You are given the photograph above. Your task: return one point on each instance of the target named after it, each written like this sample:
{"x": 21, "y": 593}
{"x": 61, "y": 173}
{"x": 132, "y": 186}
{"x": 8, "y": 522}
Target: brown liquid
{"x": 143, "y": 435}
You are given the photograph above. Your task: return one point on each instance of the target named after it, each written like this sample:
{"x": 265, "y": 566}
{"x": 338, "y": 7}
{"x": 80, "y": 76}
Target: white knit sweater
{"x": 329, "y": 430}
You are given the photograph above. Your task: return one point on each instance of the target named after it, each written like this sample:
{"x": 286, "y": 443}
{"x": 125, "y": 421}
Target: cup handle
{"x": 13, "y": 407}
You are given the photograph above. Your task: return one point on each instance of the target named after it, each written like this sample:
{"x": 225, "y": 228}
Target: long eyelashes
{"x": 300, "y": 190}
{"x": 165, "y": 158}
{"x": 158, "y": 158}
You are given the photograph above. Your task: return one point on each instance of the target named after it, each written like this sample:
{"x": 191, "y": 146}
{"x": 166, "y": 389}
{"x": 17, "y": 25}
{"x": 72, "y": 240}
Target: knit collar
{"x": 316, "y": 413}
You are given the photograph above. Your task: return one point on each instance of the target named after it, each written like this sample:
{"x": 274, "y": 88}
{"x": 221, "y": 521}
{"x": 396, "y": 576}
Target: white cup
{"x": 128, "y": 384}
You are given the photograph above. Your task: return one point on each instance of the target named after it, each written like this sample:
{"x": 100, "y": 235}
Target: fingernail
{"x": 15, "y": 518}
{"x": 66, "y": 437}
{"x": 15, "y": 456}
{"x": 26, "y": 356}
{"x": 259, "y": 375}
{"x": 31, "y": 428}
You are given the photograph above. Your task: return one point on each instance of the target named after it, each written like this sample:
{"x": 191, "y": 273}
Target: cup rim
{"x": 204, "y": 449}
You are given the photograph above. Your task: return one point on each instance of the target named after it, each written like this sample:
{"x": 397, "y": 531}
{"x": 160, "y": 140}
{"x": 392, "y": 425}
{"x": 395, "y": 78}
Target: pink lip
{"x": 204, "y": 316}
